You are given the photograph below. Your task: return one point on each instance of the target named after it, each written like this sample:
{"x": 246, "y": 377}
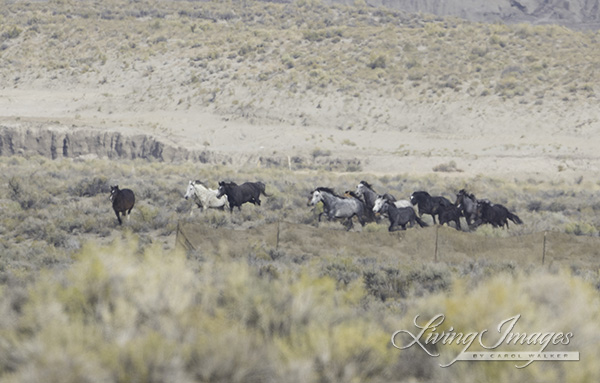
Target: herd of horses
{"x": 363, "y": 203}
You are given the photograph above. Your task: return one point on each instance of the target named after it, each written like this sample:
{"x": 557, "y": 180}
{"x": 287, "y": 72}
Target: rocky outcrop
{"x": 58, "y": 142}
{"x": 61, "y": 142}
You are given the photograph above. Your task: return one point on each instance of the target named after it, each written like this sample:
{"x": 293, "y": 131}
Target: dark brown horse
{"x": 122, "y": 201}
{"x": 237, "y": 195}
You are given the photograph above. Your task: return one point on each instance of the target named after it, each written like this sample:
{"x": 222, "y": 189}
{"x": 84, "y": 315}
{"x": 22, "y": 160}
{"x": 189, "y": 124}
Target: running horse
{"x": 204, "y": 197}
{"x": 122, "y": 201}
{"x": 237, "y": 195}
{"x": 338, "y": 207}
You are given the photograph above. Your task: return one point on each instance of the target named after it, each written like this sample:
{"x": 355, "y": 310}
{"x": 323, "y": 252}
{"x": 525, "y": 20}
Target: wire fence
{"x": 431, "y": 244}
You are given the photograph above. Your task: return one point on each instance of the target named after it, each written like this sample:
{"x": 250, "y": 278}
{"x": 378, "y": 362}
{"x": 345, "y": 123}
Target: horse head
{"x": 190, "y": 190}
{"x": 114, "y": 190}
{"x": 379, "y": 202}
{"x": 418, "y": 197}
{"x": 223, "y": 187}
{"x": 315, "y": 197}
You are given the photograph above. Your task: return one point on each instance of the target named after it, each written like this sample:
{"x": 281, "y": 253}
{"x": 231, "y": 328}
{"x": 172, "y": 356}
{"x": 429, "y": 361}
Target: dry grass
{"x": 238, "y": 57}
{"x": 314, "y": 308}
{"x": 83, "y": 299}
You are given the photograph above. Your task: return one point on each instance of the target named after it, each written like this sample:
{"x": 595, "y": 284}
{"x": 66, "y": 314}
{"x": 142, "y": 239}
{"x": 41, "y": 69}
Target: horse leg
{"x": 361, "y": 220}
{"x": 118, "y": 217}
{"x": 349, "y": 225}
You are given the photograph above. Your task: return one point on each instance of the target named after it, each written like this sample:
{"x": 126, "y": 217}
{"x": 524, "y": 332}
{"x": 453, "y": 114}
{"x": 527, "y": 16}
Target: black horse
{"x": 450, "y": 214}
{"x": 237, "y": 195}
{"x": 122, "y": 201}
{"x": 428, "y": 204}
{"x": 495, "y": 214}
{"x": 400, "y": 217}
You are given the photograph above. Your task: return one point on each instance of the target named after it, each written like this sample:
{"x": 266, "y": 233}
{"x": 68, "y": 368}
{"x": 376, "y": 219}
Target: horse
{"x": 450, "y": 214}
{"x": 428, "y": 204}
{"x": 495, "y": 214}
{"x": 399, "y": 217}
{"x": 237, "y": 195}
{"x": 467, "y": 203}
{"x": 338, "y": 207}
{"x": 204, "y": 197}
{"x": 365, "y": 190}
{"x": 383, "y": 198}
{"x": 122, "y": 201}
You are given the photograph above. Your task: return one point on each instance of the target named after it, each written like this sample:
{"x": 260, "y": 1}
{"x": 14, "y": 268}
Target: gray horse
{"x": 399, "y": 217}
{"x": 338, "y": 207}
{"x": 467, "y": 204}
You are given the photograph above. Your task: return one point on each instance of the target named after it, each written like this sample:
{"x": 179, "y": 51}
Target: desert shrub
{"x": 91, "y": 187}
{"x": 343, "y": 271}
{"x": 378, "y": 62}
{"x": 387, "y": 283}
{"x": 447, "y": 167}
{"x": 581, "y": 228}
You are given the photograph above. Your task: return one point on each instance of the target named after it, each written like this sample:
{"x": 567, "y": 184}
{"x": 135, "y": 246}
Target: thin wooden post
{"x": 277, "y": 240}
{"x": 435, "y": 255}
{"x": 544, "y": 249}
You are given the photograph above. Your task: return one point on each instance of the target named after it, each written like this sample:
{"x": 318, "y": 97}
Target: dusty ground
{"x": 481, "y": 136}
{"x": 200, "y": 91}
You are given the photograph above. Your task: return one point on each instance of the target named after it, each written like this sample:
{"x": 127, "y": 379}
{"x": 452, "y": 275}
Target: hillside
{"x": 255, "y": 81}
{"x": 575, "y": 14}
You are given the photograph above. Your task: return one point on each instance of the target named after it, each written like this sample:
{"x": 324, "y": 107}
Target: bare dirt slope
{"x": 238, "y": 83}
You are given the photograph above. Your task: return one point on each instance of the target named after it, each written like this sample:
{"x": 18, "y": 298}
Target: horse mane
{"x": 367, "y": 184}
{"x": 198, "y": 182}
{"x": 328, "y": 190}
{"x": 352, "y": 194}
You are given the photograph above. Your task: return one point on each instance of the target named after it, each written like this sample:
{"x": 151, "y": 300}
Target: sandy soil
{"x": 481, "y": 136}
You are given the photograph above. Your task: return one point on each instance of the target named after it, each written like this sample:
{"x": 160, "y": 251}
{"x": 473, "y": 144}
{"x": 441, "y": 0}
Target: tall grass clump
{"x": 121, "y": 314}
{"x": 553, "y": 301}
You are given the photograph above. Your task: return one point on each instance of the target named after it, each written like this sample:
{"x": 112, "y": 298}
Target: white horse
{"x": 204, "y": 197}
{"x": 382, "y": 199}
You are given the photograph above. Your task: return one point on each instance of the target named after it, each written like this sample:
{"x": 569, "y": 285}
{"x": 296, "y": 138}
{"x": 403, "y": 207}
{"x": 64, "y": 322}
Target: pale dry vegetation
{"x": 136, "y": 309}
{"x": 84, "y": 299}
{"x": 241, "y": 57}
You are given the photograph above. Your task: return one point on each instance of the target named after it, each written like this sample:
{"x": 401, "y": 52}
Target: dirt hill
{"x": 381, "y": 90}
{"x": 576, "y": 14}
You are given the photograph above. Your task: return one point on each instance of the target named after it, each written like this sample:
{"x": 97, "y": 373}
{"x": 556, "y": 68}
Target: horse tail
{"x": 514, "y": 218}
{"x": 420, "y": 221}
{"x": 261, "y": 188}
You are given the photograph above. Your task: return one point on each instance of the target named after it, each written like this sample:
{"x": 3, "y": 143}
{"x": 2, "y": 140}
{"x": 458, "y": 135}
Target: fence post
{"x": 544, "y": 249}
{"x": 435, "y": 255}
{"x": 277, "y": 240}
